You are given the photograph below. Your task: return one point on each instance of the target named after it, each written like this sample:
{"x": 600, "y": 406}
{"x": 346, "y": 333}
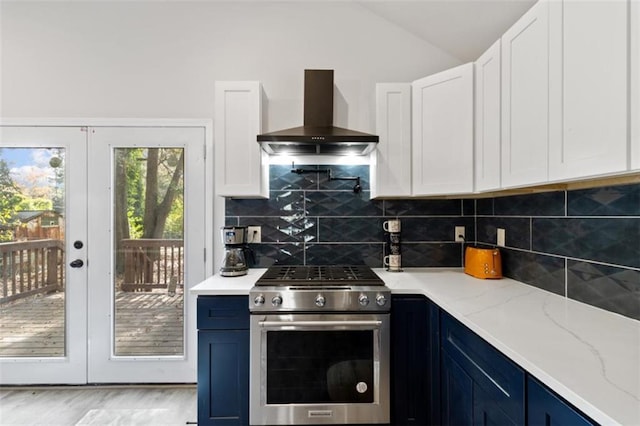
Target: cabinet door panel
{"x": 489, "y": 412}
{"x": 457, "y": 393}
{"x": 546, "y": 409}
{"x": 443, "y": 132}
{"x": 391, "y": 161}
{"x": 223, "y": 313}
{"x": 414, "y": 361}
{"x": 487, "y": 119}
{"x": 589, "y": 51}
{"x": 242, "y": 168}
{"x": 525, "y": 99}
{"x": 493, "y": 374}
{"x": 223, "y": 378}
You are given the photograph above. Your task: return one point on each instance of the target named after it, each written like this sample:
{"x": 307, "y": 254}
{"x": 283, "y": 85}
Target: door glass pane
{"x": 149, "y": 256}
{"x": 32, "y": 242}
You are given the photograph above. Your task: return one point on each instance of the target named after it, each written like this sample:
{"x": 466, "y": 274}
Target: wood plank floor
{"x": 147, "y": 323}
{"x": 170, "y": 405}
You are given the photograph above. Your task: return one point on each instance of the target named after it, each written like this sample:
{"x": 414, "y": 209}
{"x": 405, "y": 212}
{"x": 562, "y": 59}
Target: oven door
{"x": 319, "y": 369}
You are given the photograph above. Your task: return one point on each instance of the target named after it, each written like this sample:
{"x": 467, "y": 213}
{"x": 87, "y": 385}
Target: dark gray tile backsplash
{"x": 608, "y": 240}
{"x": 606, "y": 201}
{"x": 583, "y": 244}
{"x": 539, "y": 270}
{"x": 541, "y": 204}
{"x": 311, "y": 220}
{"x": 424, "y": 207}
{"x": 517, "y": 230}
{"x": 608, "y": 287}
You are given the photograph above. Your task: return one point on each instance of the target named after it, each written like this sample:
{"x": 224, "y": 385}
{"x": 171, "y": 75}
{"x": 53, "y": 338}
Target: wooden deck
{"x": 147, "y": 323}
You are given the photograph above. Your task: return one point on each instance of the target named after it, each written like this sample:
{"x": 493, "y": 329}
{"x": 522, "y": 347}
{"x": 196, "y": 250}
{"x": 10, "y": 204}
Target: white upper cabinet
{"x": 242, "y": 168}
{"x": 634, "y": 79}
{"x": 487, "y": 120}
{"x": 391, "y": 161}
{"x": 525, "y": 99}
{"x": 442, "y": 122}
{"x": 589, "y": 66}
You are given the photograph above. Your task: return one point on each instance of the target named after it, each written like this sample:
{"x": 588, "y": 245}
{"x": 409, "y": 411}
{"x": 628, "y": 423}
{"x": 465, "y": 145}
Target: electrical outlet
{"x": 502, "y": 236}
{"x": 459, "y": 235}
{"x": 254, "y": 234}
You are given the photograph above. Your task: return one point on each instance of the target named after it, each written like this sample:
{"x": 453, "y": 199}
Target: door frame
{"x": 214, "y": 211}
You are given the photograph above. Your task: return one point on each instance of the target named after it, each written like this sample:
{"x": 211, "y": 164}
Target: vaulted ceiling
{"x": 462, "y": 28}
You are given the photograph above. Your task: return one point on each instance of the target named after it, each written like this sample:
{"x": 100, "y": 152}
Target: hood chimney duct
{"x": 318, "y": 135}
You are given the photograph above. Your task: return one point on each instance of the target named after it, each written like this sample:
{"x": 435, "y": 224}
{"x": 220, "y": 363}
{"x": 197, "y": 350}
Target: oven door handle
{"x": 327, "y": 323}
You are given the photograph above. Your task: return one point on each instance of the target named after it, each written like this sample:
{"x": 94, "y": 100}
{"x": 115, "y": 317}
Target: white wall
{"x": 160, "y": 59}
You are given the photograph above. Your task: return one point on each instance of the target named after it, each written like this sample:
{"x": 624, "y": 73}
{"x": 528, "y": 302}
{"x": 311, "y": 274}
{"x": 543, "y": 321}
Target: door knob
{"x": 78, "y": 263}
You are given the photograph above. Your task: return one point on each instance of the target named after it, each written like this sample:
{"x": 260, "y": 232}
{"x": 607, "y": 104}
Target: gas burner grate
{"x": 317, "y": 275}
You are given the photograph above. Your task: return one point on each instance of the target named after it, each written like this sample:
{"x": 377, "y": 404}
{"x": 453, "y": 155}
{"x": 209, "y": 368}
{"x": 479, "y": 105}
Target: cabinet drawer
{"x": 223, "y": 313}
{"x": 499, "y": 378}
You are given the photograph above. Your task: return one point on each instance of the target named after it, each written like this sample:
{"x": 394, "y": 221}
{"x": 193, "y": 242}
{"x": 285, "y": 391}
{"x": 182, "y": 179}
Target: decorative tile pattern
{"x": 231, "y": 221}
{"x": 280, "y": 203}
{"x": 545, "y": 272}
{"x": 469, "y": 207}
{"x": 278, "y": 254}
{"x": 542, "y": 204}
{"x": 432, "y": 254}
{"x": 296, "y": 228}
{"x": 423, "y": 208}
{"x": 610, "y": 288}
{"x": 435, "y": 228}
{"x": 310, "y": 220}
{"x": 345, "y": 254}
{"x": 621, "y": 200}
{"x": 517, "y": 231}
{"x": 603, "y": 240}
{"x": 351, "y": 230}
{"x": 484, "y": 207}
{"x": 281, "y": 178}
{"x": 337, "y": 203}
{"x": 614, "y": 240}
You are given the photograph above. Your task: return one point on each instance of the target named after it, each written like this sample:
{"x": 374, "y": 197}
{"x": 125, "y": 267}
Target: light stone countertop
{"x": 589, "y": 356}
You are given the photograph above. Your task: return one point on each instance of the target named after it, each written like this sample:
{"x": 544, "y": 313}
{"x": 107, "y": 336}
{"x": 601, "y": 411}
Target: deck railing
{"x": 30, "y": 267}
{"x": 38, "y": 266}
{"x": 153, "y": 263}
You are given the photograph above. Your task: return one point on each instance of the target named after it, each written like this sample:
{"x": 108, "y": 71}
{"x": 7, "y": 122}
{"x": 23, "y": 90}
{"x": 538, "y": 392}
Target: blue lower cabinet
{"x": 414, "y": 361}
{"x": 457, "y": 393}
{"x": 480, "y": 386}
{"x": 223, "y": 361}
{"x": 545, "y": 408}
{"x": 442, "y": 373}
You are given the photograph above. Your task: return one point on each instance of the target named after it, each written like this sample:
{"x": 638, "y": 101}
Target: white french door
{"x": 140, "y": 330}
{"x": 133, "y": 240}
{"x": 43, "y": 315}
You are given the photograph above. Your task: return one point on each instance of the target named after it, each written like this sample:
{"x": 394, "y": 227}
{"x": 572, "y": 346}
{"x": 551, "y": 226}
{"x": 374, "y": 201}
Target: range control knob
{"x": 363, "y": 300}
{"x": 381, "y": 300}
{"x": 276, "y": 301}
{"x": 259, "y": 300}
{"x": 320, "y": 301}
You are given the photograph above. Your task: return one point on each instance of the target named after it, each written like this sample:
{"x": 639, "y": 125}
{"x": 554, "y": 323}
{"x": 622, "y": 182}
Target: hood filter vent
{"x": 318, "y": 135}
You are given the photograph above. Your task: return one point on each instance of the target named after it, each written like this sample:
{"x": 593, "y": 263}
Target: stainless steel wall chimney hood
{"x": 318, "y": 135}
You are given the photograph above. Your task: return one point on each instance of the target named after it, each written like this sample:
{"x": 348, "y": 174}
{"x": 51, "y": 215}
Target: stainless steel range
{"x": 319, "y": 346}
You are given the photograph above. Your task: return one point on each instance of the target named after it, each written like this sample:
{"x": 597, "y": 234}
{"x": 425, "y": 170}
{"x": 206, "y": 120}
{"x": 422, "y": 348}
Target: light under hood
{"x": 318, "y": 135}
